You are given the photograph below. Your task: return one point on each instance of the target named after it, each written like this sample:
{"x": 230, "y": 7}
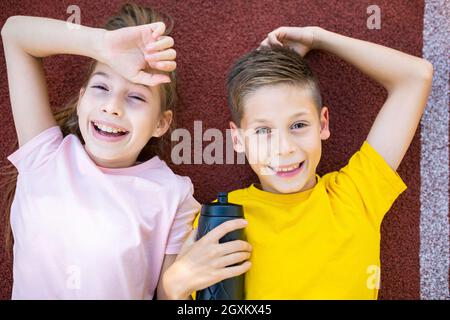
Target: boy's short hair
{"x": 264, "y": 67}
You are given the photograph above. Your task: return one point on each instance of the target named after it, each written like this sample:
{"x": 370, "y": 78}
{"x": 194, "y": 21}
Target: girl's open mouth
{"x": 107, "y": 136}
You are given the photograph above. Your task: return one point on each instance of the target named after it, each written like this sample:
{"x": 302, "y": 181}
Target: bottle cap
{"x": 222, "y": 208}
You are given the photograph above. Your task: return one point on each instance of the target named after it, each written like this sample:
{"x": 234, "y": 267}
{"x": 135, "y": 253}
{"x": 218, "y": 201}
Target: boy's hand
{"x": 131, "y": 50}
{"x": 205, "y": 262}
{"x": 302, "y": 40}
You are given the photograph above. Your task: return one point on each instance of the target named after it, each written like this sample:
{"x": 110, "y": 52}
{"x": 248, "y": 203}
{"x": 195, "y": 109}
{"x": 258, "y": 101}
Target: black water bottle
{"x": 212, "y": 215}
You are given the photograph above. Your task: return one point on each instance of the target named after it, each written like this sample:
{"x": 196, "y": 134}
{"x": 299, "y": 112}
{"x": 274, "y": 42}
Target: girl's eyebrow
{"x": 101, "y": 73}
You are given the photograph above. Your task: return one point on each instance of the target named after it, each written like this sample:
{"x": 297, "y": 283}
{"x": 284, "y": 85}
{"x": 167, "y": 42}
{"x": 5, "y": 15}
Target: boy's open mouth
{"x": 288, "y": 171}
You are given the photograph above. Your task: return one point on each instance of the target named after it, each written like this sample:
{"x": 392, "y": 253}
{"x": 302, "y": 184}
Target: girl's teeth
{"x": 107, "y": 129}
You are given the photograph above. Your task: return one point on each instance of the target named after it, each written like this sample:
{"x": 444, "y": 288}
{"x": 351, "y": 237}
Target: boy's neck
{"x": 309, "y": 185}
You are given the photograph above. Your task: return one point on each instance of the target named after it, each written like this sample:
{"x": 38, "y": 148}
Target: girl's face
{"x": 131, "y": 111}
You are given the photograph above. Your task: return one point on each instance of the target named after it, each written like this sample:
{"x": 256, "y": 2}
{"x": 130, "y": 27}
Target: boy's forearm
{"x": 42, "y": 37}
{"x": 389, "y": 67}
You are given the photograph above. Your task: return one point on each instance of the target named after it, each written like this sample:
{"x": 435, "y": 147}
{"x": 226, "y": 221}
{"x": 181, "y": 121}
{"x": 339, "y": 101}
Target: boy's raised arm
{"x": 406, "y": 78}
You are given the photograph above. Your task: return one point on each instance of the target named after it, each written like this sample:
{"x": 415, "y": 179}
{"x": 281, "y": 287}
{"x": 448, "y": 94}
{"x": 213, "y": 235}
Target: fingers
{"x": 234, "y": 271}
{"x": 158, "y": 29}
{"x": 273, "y": 38}
{"x": 169, "y": 54}
{"x": 264, "y": 43}
{"x": 158, "y": 60}
{"x": 160, "y": 55}
{"x": 218, "y": 232}
{"x": 234, "y": 246}
{"x": 151, "y": 79}
{"x": 162, "y": 43}
{"x": 166, "y": 66}
{"x": 232, "y": 259}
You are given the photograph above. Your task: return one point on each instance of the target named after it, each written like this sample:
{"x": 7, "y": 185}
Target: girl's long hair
{"x": 66, "y": 117}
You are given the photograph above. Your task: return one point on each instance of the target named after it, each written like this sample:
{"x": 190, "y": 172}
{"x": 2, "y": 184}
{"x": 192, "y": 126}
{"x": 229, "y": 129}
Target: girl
{"x": 97, "y": 213}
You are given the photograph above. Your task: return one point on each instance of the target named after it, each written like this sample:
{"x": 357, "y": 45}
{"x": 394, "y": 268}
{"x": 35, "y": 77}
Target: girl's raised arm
{"x": 131, "y": 51}
{"x": 26, "y": 40}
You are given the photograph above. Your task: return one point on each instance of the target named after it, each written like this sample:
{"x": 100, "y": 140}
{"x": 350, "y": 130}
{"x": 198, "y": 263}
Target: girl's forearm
{"x": 42, "y": 37}
{"x": 173, "y": 288}
{"x": 387, "y": 66}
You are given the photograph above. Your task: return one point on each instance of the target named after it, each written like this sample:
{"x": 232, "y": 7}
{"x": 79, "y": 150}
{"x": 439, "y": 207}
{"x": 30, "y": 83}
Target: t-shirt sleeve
{"x": 184, "y": 218}
{"x": 368, "y": 183}
{"x": 36, "y": 152}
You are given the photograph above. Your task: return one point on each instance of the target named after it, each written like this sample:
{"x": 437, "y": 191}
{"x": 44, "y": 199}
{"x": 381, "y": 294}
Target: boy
{"x": 318, "y": 237}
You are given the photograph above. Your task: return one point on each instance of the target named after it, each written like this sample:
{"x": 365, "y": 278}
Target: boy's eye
{"x": 298, "y": 125}
{"x": 263, "y": 130}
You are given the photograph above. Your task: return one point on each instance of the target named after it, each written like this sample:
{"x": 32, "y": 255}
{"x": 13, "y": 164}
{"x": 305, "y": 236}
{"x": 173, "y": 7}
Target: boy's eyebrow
{"x": 259, "y": 121}
{"x": 295, "y": 115}
{"x": 301, "y": 113}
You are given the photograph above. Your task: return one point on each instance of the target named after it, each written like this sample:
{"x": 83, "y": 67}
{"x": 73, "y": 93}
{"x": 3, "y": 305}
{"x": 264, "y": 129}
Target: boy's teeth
{"x": 107, "y": 129}
{"x": 286, "y": 169}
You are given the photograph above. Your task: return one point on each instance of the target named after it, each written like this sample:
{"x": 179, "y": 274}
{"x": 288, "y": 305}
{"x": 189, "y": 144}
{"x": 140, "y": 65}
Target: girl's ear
{"x": 237, "y": 138}
{"x": 80, "y": 95}
{"x": 324, "y": 123}
{"x": 163, "y": 124}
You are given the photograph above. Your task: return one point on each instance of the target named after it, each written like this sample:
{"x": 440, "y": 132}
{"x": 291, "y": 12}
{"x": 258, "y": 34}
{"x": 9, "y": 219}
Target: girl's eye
{"x": 263, "y": 130}
{"x": 137, "y": 98}
{"x": 298, "y": 125}
{"x": 100, "y": 87}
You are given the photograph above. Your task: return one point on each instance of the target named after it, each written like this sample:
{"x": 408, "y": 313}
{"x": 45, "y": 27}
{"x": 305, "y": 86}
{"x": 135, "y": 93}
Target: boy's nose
{"x": 284, "y": 145}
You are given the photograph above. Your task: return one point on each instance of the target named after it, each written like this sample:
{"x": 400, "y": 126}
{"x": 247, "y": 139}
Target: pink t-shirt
{"x": 82, "y": 231}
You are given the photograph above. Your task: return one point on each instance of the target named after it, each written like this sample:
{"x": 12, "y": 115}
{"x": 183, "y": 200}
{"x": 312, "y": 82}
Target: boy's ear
{"x": 324, "y": 123}
{"x": 163, "y": 124}
{"x": 237, "y": 138}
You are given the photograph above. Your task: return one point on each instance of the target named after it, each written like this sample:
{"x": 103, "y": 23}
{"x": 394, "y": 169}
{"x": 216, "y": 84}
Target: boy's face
{"x": 136, "y": 108}
{"x": 281, "y": 134}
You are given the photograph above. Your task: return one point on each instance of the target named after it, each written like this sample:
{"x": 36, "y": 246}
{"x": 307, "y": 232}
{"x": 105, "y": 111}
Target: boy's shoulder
{"x": 238, "y": 195}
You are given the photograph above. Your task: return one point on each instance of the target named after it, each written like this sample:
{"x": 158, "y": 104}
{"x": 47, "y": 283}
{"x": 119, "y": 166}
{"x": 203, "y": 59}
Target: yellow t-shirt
{"x": 322, "y": 243}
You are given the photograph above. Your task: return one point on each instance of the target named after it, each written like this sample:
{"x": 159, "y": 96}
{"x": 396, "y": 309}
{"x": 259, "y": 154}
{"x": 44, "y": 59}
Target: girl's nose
{"x": 113, "y": 107}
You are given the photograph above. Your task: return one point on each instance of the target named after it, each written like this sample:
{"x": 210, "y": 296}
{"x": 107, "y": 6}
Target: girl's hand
{"x": 302, "y": 40}
{"x": 131, "y": 50}
{"x": 205, "y": 262}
